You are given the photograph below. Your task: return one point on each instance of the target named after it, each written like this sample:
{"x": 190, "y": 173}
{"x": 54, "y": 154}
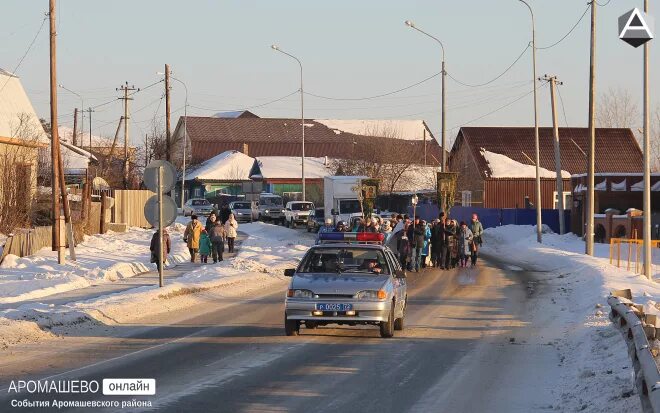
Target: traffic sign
{"x": 635, "y": 28}
{"x": 151, "y": 176}
{"x": 169, "y": 210}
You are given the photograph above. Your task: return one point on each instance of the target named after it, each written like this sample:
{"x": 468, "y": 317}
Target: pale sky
{"x": 349, "y": 49}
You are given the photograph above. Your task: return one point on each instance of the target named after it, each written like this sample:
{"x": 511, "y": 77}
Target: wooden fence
{"x": 129, "y": 207}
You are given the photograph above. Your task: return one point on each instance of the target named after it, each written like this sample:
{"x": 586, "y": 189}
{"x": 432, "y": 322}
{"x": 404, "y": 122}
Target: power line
{"x": 380, "y": 95}
{"x": 497, "y": 77}
{"x": 248, "y": 107}
{"x": 570, "y": 31}
{"x": 26, "y": 52}
{"x": 561, "y": 100}
{"x": 498, "y": 109}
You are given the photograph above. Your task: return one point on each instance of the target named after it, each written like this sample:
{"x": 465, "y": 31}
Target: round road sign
{"x": 169, "y": 211}
{"x": 151, "y": 176}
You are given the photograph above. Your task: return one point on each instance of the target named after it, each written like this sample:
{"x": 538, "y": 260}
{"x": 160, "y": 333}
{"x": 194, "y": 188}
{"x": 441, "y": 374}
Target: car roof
{"x": 351, "y": 245}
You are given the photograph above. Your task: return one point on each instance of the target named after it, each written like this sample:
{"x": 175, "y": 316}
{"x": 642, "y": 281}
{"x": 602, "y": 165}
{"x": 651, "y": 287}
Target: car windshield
{"x": 344, "y": 260}
{"x": 271, "y": 201}
{"x": 301, "y": 206}
{"x": 200, "y": 202}
{"x": 241, "y": 205}
{"x": 349, "y": 206}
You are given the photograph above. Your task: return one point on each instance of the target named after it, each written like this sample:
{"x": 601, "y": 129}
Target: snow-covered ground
{"x": 597, "y": 375}
{"x": 100, "y": 258}
{"x": 260, "y": 261}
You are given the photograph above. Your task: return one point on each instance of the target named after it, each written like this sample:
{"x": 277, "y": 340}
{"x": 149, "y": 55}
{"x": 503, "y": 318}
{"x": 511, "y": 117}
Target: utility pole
{"x": 444, "y": 107}
{"x": 647, "y": 155}
{"x": 168, "y": 133}
{"x": 108, "y": 160}
{"x": 75, "y": 127}
{"x": 55, "y": 139}
{"x": 90, "y": 110}
{"x": 555, "y": 129}
{"x": 589, "y": 234}
{"x": 125, "y": 88}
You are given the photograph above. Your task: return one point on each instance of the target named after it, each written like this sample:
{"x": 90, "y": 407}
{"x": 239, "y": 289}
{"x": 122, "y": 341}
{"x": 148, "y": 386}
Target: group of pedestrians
{"x": 442, "y": 243}
{"x": 206, "y": 240}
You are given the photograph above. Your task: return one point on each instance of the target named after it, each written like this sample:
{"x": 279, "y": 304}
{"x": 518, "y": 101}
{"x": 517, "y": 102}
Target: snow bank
{"x": 100, "y": 258}
{"x": 592, "y": 353}
{"x": 502, "y": 166}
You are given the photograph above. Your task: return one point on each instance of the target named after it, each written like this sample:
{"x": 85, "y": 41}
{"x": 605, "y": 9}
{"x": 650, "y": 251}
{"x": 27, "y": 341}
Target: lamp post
{"x": 82, "y": 110}
{"x": 414, "y": 202}
{"x": 302, "y": 114}
{"x": 443, "y": 163}
{"x": 536, "y": 129}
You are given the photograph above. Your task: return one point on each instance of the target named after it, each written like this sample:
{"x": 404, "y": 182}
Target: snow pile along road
{"x": 100, "y": 258}
{"x": 597, "y": 375}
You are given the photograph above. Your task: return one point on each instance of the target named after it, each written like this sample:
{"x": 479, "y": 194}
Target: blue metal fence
{"x": 493, "y": 217}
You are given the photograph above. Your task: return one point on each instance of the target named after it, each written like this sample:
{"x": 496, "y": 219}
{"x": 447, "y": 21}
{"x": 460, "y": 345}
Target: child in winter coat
{"x": 204, "y": 246}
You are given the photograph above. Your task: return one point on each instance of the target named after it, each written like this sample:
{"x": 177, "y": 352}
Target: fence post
{"x": 102, "y": 224}
{"x": 83, "y": 211}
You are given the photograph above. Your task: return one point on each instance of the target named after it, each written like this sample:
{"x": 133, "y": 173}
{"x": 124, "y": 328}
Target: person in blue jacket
{"x": 327, "y": 227}
{"x": 425, "y": 248}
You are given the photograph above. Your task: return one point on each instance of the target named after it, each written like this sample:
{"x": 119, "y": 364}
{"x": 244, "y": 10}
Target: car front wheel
{"x": 387, "y": 327}
{"x": 291, "y": 327}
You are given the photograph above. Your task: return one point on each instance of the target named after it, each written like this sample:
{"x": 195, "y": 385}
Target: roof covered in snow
{"x": 235, "y": 114}
{"x": 616, "y": 150}
{"x": 408, "y": 129}
{"x": 18, "y": 120}
{"x": 502, "y": 166}
{"x": 290, "y": 167}
{"x": 227, "y": 166}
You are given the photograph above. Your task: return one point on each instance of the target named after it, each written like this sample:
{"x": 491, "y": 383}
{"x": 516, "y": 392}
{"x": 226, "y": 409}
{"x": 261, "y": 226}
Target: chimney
{"x": 246, "y": 149}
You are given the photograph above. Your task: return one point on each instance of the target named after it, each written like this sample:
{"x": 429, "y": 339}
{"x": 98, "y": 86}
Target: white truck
{"x": 340, "y": 198}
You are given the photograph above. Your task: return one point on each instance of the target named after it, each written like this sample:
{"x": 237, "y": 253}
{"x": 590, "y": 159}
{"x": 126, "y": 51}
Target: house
{"x": 282, "y": 175}
{"x": 495, "y": 165}
{"x": 220, "y": 177}
{"x": 618, "y": 207}
{"x": 341, "y": 139}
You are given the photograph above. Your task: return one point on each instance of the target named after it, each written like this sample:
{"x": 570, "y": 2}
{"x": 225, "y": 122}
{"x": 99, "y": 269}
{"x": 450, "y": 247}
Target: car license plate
{"x": 334, "y": 307}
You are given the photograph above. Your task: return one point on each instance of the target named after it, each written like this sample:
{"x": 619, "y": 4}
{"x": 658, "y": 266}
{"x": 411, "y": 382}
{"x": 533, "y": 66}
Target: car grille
{"x": 335, "y": 296}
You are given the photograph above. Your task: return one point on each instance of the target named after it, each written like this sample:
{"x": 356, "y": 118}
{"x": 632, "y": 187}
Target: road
{"x": 466, "y": 339}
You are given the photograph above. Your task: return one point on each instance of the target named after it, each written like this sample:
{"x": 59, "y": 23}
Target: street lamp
{"x": 302, "y": 113}
{"x": 443, "y": 164}
{"x": 536, "y": 130}
{"x": 414, "y": 202}
{"x": 82, "y": 110}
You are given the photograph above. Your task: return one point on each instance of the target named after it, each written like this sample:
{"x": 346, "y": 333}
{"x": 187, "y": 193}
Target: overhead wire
{"x": 18, "y": 65}
{"x": 247, "y": 107}
{"x": 570, "y": 31}
{"x": 379, "y": 95}
{"x": 563, "y": 109}
{"x": 495, "y": 78}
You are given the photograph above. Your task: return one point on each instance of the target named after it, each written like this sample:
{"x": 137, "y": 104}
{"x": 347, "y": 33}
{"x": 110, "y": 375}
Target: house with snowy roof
{"x": 496, "y": 167}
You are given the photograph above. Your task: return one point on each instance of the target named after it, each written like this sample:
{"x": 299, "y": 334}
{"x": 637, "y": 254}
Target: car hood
{"x": 243, "y": 211}
{"x": 346, "y": 283}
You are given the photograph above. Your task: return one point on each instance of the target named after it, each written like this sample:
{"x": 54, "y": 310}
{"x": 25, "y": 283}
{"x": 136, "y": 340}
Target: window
{"x": 200, "y": 202}
{"x": 301, "y": 206}
{"x": 197, "y": 192}
{"x": 335, "y": 260}
{"x": 349, "y": 206}
{"x": 242, "y": 205}
{"x": 568, "y": 199}
{"x": 466, "y": 198}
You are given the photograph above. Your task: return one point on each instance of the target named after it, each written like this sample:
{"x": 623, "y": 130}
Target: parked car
{"x": 315, "y": 220}
{"x": 271, "y": 208}
{"x": 339, "y": 282}
{"x": 296, "y": 212}
{"x": 197, "y": 206}
{"x": 244, "y": 211}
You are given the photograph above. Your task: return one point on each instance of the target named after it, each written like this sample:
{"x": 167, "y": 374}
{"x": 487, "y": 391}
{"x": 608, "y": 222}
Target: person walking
{"x": 155, "y": 248}
{"x": 427, "y": 242}
{"x": 451, "y": 257}
{"x": 204, "y": 246}
{"x": 217, "y": 236}
{"x": 210, "y": 221}
{"x": 403, "y": 247}
{"x": 464, "y": 243}
{"x": 477, "y": 233}
{"x": 231, "y": 229}
{"x": 419, "y": 233}
{"x": 224, "y": 213}
{"x": 191, "y": 236}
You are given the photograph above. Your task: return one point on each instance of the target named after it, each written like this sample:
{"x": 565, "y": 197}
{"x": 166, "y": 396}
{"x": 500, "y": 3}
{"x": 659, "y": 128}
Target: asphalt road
{"x": 457, "y": 350}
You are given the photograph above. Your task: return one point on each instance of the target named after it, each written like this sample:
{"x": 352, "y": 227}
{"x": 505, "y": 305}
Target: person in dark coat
{"x": 210, "y": 221}
{"x": 403, "y": 247}
{"x": 224, "y": 213}
{"x": 439, "y": 243}
{"x": 154, "y": 247}
{"x": 217, "y": 235}
{"x": 419, "y": 234}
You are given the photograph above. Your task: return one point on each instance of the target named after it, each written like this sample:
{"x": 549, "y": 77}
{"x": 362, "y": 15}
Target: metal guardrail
{"x": 638, "y": 328}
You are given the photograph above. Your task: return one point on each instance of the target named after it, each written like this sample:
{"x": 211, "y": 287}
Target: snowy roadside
{"x": 592, "y": 354}
{"x": 260, "y": 262}
{"x": 100, "y": 258}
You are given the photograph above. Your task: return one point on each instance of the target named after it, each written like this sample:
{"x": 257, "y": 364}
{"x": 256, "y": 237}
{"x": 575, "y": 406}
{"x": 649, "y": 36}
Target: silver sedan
{"x": 346, "y": 284}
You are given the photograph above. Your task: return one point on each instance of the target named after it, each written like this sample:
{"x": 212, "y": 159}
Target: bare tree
{"x": 655, "y": 140}
{"x": 616, "y": 108}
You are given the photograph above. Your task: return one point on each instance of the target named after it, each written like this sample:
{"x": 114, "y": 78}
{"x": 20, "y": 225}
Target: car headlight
{"x": 266, "y": 211}
{"x": 299, "y": 294}
{"x": 239, "y": 213}
{"x": 371, "y": 295}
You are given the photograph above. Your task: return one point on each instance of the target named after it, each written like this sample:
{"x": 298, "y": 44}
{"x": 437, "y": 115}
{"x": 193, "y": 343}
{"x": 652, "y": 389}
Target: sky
{"x": 349, "y": 49}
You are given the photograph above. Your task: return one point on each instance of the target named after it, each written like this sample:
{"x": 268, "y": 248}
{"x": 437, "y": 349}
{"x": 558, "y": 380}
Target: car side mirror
{"x": 334, "y": 212}
{"x": 400, "y": 274}
{"x": 289, "y": 272}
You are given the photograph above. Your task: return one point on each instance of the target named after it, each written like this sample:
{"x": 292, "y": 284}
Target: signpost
{"x": 635, "y": 29}
{"x": 160, "y": 210}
